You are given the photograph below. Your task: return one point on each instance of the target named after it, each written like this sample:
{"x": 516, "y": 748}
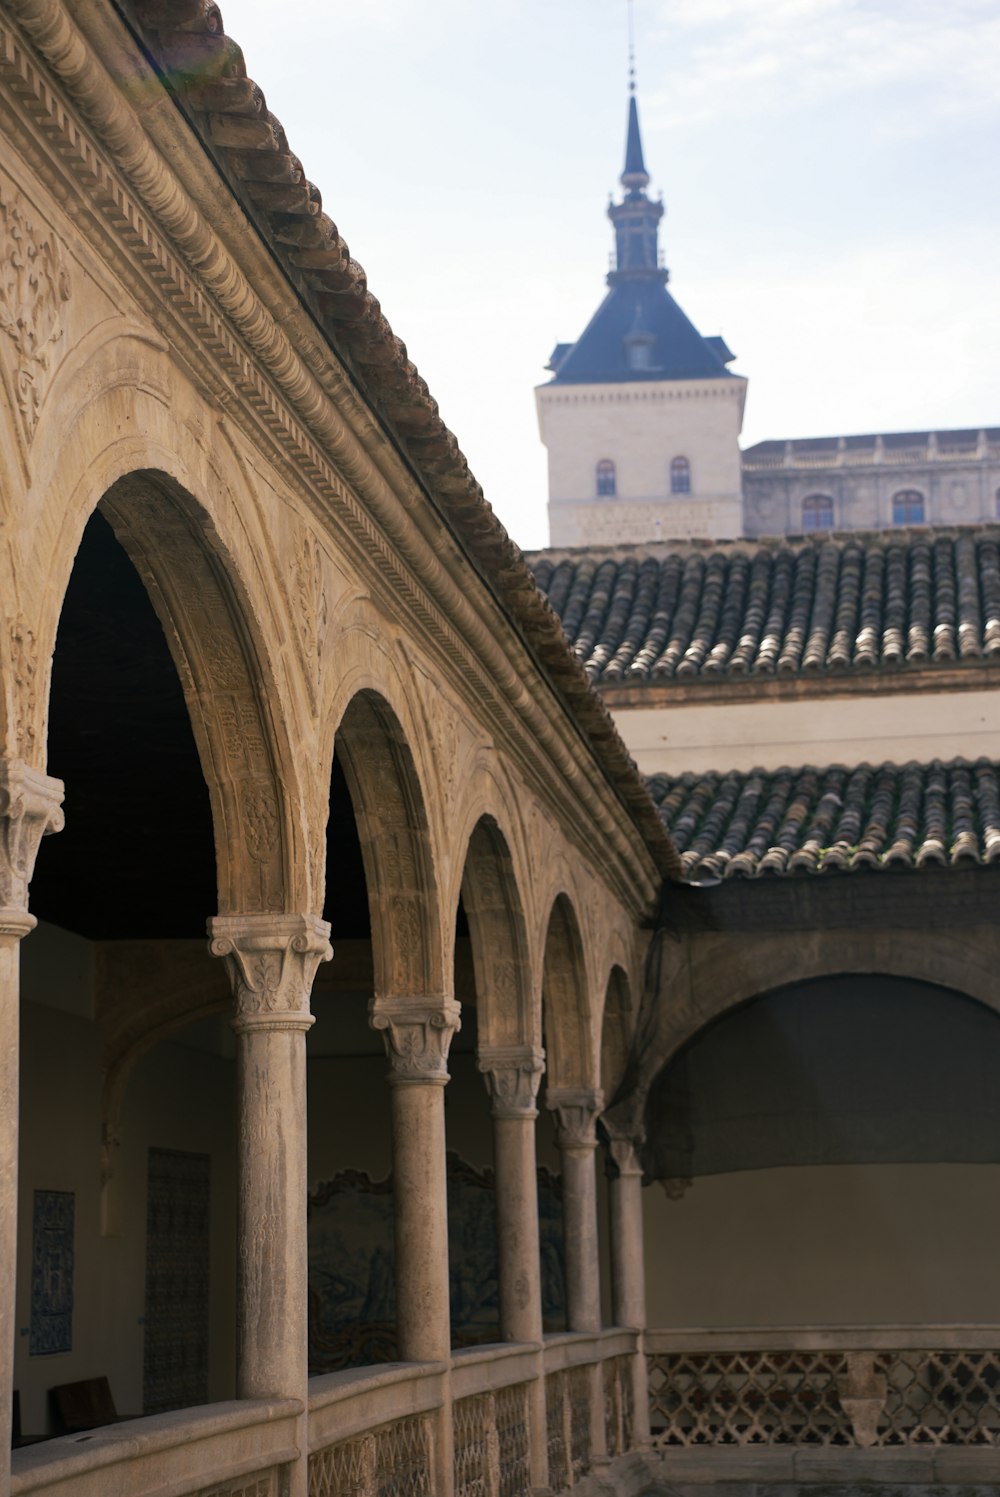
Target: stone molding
{"x": 30, "y": 809}
{"x": 311, "y": 413}
{"x": 575, "y": 1110}
{"x": 271, "y": 961}
{"x": 417, "y": 1033}
{"x": 512, "y": 1074}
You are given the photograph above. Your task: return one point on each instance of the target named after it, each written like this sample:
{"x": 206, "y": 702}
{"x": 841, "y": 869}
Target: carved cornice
{"x": 512, "y": 1074}
{"x": 30, "y": 809}
{"x": 575, "y": 1110}
{"x": 417, "y": 1034}
{"x": 311, "y": 428}
{"x": 271, "y": 961}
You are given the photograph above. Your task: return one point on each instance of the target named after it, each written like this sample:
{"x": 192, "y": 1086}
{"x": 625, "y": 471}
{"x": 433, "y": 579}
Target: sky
{"x": 830, "y": 170}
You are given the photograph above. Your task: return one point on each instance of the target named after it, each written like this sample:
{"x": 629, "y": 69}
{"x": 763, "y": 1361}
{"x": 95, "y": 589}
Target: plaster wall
{"x": 641, "y": 428}
{"x": 833, "y": 1245}
{"x": 831, "y": 730}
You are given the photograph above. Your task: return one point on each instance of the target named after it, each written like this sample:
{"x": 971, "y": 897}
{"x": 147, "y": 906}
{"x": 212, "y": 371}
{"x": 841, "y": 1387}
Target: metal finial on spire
{"x": 631, "y": 46}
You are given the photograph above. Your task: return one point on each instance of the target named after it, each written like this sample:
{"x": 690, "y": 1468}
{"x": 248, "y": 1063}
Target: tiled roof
{"x": 852, "y": 602}
{"x": 206, "y": 72}
{"x": 799, "y": 821}
{"x": 677, "y": 349}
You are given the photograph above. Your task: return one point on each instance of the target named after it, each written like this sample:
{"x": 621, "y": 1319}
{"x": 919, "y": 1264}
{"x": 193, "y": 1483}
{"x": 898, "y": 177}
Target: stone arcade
{"x": 298, "y": 684}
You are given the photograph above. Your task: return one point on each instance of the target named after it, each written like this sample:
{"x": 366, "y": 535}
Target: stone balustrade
{"x": 238, "y": 1449}
{"x": 871, "y": 1394}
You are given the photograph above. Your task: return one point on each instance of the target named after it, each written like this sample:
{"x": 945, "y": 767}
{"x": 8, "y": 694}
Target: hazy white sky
{"x": 830, "y": 168}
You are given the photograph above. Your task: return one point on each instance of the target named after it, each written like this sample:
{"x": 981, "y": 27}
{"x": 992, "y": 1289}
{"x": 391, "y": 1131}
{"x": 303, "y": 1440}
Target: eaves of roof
{"x": 205, "y": 71}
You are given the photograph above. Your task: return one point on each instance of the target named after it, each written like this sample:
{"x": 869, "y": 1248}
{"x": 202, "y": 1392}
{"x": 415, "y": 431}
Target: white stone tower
{"x": 641, "y": 417}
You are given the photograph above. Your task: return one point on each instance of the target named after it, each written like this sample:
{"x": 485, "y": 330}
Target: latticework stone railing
{"x": 619, "y": 1420}
{"x": 490, "y": 1432}
{"x": 849, "y": 1395}
{"x": 394, "y": 1460}
{"x": 567, "y": 1420}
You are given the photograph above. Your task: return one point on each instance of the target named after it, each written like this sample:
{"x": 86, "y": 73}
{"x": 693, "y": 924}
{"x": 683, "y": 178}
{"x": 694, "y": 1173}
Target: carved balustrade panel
{"x": 568, "y": 1411}
{"x": 261, "y": 1484}
{"x": 491, "y": 1444}
{"x": 618, "y": 1420}
{"x": 829, "y": 1397}
{"x": 391, "y": 1461}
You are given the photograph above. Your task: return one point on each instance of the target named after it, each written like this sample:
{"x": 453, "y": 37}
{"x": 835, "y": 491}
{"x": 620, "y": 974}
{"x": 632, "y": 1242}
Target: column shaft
{"x": 420, "y": 1214}
{"x": 628, "y": 1267}
{"x": 518, "y": 1251}
{"x": 583, "y": 1283}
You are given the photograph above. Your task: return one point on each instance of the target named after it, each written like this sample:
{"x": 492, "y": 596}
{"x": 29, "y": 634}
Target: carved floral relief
{"x": 34, "y": 285}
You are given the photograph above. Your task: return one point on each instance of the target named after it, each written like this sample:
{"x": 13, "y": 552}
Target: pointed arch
{"x": 617, "y": 1025}
{"x": 389, "y": 807}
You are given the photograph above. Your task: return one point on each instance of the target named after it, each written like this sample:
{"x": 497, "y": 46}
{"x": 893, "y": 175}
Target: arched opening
{"x": 382, "y": 908}
{"x": 908, "y": 507}
{"x": 617, "y": 1025}
{"x": 174, "y": 812}
{"x": 680, "y": 476}
{"x": 817, "y": 512}
{"x": 605, "y": 479}
{"x": 848, "y": 1120}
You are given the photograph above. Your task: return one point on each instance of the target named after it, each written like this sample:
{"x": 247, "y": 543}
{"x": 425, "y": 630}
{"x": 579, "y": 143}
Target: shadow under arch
{"x": 207, "y": 620}
{"x": 848, "y": 1069}
{"x": 616, "y": 1030}
{"x": 565, "y": 1002}
{"x": 499, "y": 940}
{"x": 389, "y": 809}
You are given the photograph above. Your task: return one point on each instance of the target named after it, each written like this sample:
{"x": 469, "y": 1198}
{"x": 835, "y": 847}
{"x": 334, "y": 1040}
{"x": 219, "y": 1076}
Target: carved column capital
{"x": 417, "y": 1034}
{"x": 512, "y": 1074}
{"x": 30, "y": 808}
{"x": 271, "y": 961}
{"x": 623, "y": 1153}
{"x": 574, "y": 1111}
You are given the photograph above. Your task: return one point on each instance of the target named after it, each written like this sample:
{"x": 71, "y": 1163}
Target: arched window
{"x": 817, "y": 512}
{"x": 606, "y": 488}
{"x": 680, "y": 476}
{"x": 908, "y": 507}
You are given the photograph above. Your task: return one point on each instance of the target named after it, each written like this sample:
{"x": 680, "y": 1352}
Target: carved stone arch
{"x": 566, "y": 1006}
{"x": 499, "y": 939}
{"x": 389, "y": 807}
{"x": 733, "y": 971}
{"x": 208, "y": 623}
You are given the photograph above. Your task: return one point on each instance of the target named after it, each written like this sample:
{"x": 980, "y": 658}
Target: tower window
{"x": 908, "y": 507}
{"x": 680, "y": 476}
{"x": 817, "y": 512}
{"x": 606, "y": 485}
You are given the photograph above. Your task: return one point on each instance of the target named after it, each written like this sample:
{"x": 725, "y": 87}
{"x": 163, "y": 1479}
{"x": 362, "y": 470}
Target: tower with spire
{"x": 642, "y": 416}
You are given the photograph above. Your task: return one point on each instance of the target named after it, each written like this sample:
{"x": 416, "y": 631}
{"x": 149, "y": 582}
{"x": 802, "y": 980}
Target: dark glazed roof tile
{"x": 884, "y": 600}
{"x": 837, "y": 820}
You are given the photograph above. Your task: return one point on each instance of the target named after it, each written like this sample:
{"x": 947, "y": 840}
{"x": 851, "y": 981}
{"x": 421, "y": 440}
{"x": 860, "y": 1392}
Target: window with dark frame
{"x": 606, "y": 486}
{"x": 817, "y": 512}
{"x": 680, "y": 476}
{"x": 908, "y": 507}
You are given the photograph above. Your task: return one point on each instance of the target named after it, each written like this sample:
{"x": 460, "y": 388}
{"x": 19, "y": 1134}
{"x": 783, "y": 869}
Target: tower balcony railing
{"x": 881, "y": 454}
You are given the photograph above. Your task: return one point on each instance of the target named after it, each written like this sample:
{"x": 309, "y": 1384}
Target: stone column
{"x": 628, "y": 1264}
{"x": 575, "y": 1111}
{"x": 512, "y": 1074}
{"x": 271, "y": 961}
{"x": 417, "y": 1034}
{"x": 29, "y": 809}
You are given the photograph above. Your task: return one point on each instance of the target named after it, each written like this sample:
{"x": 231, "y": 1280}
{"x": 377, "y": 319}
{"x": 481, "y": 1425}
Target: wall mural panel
{"x": 175, "y": 1358}
{"x": 52, "y": 1272}
{"x": 351, "y": 1264}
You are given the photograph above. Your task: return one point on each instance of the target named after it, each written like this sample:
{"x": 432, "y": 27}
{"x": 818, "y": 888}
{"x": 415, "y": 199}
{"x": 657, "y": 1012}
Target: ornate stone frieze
{"x": 30, "y": 808}
{"x": 417, "y": 1034}
{"x": 512, "y": 1074}
{"x": 271, "y": 961}
{"x": 33, "y": 287}
{"x": 575, "y": 1110}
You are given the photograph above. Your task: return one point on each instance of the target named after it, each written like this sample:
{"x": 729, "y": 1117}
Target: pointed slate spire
{"x": 635, "y": 176}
